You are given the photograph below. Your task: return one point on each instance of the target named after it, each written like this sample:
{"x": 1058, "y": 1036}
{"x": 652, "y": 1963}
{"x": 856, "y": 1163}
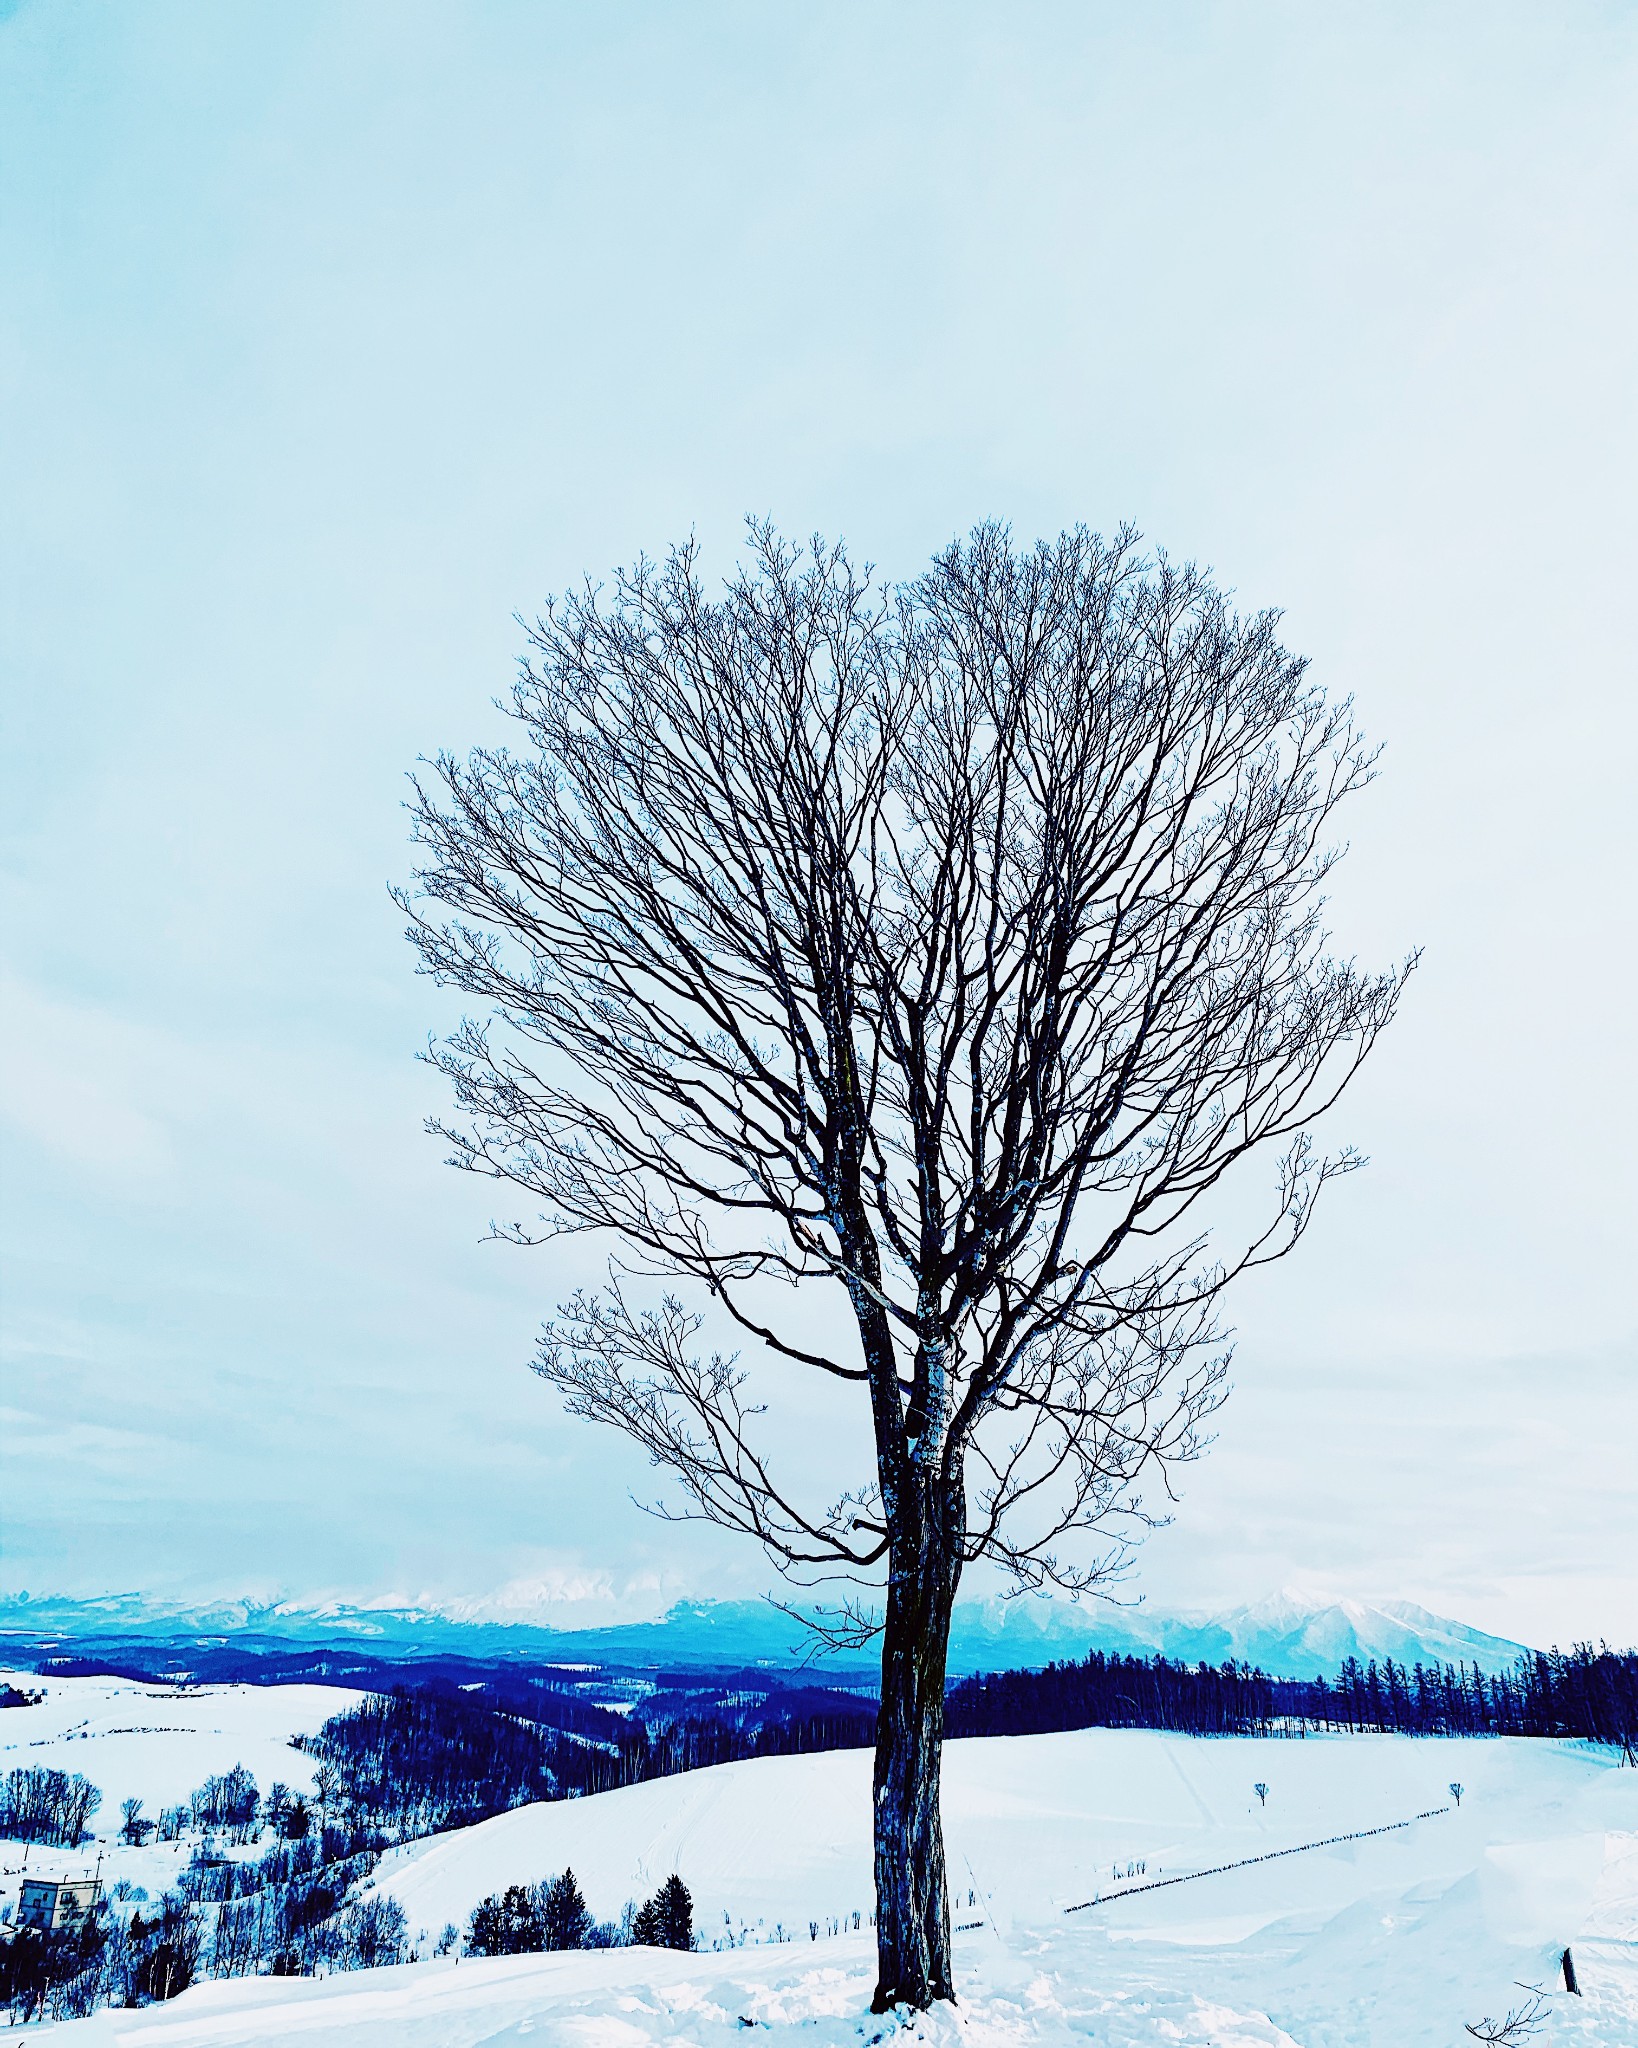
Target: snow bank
{"x": 639, "y": 1999}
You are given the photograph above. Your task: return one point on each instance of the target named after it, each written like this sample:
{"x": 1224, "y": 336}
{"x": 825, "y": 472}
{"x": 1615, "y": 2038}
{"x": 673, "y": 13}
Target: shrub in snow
{"x": 371, "y": 1933}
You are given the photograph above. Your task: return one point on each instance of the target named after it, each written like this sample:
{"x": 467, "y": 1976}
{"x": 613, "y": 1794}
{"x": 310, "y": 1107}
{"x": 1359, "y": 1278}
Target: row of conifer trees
{"x": 527, "y": 1919}
{"x": 1583, "y": 1694}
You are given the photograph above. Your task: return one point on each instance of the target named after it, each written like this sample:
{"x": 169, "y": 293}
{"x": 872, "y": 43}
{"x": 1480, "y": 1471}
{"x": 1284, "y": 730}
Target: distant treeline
{"x": 1584, "y": 1694}
{"x": 418, "y": 1762}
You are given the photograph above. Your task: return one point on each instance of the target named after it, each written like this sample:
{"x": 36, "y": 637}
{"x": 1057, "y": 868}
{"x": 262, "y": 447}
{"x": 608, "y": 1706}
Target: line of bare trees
{"x": 39, "y": 1805}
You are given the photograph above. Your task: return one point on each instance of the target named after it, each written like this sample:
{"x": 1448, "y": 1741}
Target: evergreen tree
{"x": 667, "y": 1920}
{"x": 564, "y": 1920}
{"x": 508, "y": 1925}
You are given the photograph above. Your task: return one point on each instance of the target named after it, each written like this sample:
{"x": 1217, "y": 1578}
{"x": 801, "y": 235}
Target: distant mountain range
{"x": 1288, "y": 1636}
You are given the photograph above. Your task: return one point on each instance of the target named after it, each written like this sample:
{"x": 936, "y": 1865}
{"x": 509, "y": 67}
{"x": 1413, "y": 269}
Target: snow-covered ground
{"x": 154, "y": 1743}
{"x": 1393, "y": 1941}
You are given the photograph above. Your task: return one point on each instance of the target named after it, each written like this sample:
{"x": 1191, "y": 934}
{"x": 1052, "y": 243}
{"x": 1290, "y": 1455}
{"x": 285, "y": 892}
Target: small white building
{"x": 52, "y": 1904}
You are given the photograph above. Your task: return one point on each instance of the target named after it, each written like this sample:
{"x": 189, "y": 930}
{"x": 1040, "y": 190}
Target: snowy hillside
{"x": 1392, "y": 1940}
{"x": 154, "y": 1743}
{"x": 1034, "y": 1823}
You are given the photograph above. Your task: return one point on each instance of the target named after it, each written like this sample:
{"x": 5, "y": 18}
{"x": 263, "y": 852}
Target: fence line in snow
{"x": 1159, "y": 1884}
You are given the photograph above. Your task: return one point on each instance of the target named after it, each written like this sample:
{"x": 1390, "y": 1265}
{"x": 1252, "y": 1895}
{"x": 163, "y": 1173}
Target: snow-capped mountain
{"x": 1288, "y": 1636}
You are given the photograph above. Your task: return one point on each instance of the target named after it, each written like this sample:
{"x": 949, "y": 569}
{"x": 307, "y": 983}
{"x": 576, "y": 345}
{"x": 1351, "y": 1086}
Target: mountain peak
{"x": 1289, "y": 1634}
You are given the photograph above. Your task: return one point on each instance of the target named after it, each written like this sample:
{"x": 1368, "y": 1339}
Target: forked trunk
{"x": 912, "y": 1894}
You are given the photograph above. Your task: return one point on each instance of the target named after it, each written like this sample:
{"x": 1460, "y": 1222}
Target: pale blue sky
{"x": 335, "y": 334}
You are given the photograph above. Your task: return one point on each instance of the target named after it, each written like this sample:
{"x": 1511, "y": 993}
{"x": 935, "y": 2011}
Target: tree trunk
{"x": 912, "y": 1895}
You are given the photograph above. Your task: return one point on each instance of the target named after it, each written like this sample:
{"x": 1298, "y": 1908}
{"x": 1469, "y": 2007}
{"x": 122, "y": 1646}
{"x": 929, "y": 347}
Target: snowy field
{"x": 1388, "y": 1942}
{"x": 154, "y": 1743}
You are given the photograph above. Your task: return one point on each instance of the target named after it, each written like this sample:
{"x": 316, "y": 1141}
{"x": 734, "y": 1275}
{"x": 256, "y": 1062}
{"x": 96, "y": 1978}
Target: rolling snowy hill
{"x": 154, "y": 1743}
{"x": 1390, "y": 1939}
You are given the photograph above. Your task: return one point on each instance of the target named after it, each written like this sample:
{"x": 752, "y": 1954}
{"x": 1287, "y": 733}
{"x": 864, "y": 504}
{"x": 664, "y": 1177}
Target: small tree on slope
{"x": 564, "y": 1920}
{"x": 667, "y": 1919}
{"x": 939, "y": 949}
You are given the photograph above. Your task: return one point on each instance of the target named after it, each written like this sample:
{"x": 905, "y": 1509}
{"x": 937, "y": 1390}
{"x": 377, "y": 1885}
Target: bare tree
{"x": 937, "y": 948}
